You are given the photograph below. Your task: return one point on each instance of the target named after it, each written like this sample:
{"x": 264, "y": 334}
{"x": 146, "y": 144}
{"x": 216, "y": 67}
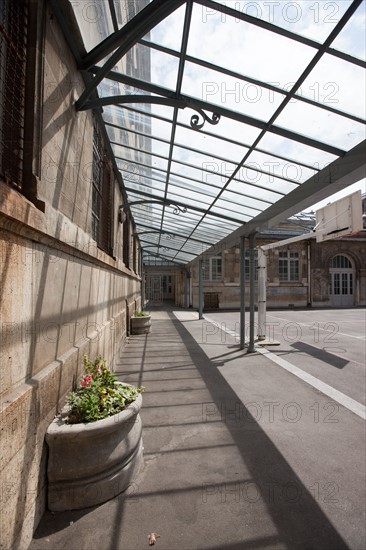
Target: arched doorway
{"x": 341, "y": 281}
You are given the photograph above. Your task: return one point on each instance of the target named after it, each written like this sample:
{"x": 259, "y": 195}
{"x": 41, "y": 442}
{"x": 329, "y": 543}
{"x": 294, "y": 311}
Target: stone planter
{"x": 141, "y": 325}
{"x": 93, "y": 462}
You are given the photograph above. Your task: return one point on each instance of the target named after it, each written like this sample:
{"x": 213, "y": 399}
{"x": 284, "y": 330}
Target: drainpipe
{"x": 251, "y": 347}
{"x": 262, "y": 293}
{"x": 242, "y": 292}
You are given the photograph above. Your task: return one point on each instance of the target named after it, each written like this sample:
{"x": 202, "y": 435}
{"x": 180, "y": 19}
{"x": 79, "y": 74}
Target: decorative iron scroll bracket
{"x": 179, "y": 210}
{"x": 196, "y": 125}
{"x": 168, "y": 101}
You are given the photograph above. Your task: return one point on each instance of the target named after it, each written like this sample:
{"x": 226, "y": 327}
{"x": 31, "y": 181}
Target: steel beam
{"x": 195, "y": 103}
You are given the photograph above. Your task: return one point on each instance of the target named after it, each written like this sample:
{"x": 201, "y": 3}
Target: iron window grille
{"x": 101, "y": 194}
{"x": 13, "y": 43}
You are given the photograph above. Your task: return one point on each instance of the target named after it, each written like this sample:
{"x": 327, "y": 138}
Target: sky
{"x": 225, "y": 41}
{"x": 261, "y": 55}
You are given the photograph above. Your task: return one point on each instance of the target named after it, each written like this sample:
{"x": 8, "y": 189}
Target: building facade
{"x": 70, "y": 263}
{"x": 303, "y": 274}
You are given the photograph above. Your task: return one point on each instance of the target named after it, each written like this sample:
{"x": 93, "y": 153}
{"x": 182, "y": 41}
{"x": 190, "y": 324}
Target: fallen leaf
{"x": 152, "y": 538}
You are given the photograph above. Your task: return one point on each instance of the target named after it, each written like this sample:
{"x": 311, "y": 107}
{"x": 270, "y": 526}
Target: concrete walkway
{"x": 239, "y": 454}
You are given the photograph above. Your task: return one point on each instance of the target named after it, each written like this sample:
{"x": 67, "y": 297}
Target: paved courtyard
{"x": 242, "y": 451}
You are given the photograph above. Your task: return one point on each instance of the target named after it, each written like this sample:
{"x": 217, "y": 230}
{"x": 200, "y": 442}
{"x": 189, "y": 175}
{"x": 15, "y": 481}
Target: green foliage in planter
{"x": 99, "y": 394}
{"x": 141, "y": 313}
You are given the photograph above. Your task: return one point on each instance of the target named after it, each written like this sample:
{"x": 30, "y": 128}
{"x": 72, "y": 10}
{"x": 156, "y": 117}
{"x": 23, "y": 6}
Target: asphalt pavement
{"x": 241, "y": 451}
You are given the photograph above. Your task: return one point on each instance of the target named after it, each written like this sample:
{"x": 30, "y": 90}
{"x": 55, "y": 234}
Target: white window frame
{"x": 288, "y": 259}
{"x": 212, "y": 268}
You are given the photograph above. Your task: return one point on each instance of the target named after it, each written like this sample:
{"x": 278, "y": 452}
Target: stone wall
{"x": 314, "y": 261}
{"x": 61, "y": 295}
{"x": 322, "y": 253}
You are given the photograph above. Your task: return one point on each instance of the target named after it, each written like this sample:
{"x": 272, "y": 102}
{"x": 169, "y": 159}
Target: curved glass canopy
{"x": 224, "y": 118}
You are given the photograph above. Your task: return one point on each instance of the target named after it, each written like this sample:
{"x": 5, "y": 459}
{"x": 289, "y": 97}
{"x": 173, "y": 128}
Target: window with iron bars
{"x": 101, "y": 195}
{"x": 288, "y": 266}
{"x": 13, "y": 43}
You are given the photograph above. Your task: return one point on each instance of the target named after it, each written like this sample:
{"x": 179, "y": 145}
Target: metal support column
{"x": 200, "y": 289}
{"x": 251, "y": 347}
{"x": 262, "y": 293}
{"x": 242, "y": 292}
{"x": 142, "y": 271}
{"x": 185, "y": 288}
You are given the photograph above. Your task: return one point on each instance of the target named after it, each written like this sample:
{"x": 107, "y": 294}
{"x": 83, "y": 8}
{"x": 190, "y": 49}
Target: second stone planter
{"x": 141, "y": 324}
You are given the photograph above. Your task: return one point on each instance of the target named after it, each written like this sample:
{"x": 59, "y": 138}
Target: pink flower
{"x": 86, "y": 381}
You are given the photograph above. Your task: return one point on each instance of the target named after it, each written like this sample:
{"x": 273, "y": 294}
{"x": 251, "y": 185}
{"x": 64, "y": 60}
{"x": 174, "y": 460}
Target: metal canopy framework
{"x": 223, "y": 122}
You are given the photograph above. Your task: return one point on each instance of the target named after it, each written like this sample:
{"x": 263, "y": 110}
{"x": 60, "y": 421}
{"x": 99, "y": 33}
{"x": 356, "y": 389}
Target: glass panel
{"x": 296, "y": 151}
{"x": 207, "y": 143}
{"x": 126, "y": 137}
{"x": 204, "y": 160}
{"x": 263, "y": 196}
{"x": 94, "y": 21}
{"x": 169, "y": 32}
{"x": 109, "y": 88}
{"x": 352, "y": 37}
{"x": 313, "y": 20}
{"x": 250, "y": 174}
{"x": 229, "y": 92}
{"x": 127, "y": 9}
{"x": 192, "y": 199}
{"x": 330, "y": 284}
{"x": 244, "y": 201}
{"x": 236, "y": 211}
{"x": 329, "y": 84}
{"x": 283, "y": 269}
{"x": 253, "y": 51}
{"x": 281, "y": 168}
{"x": 198, "y": 187}
{"x": 351, "y": 283}
{"x": 336, "y": 283}
{"x": 344, "y": 283}
{"x": 341, "y": 132}
{"x": 294, "y": 270}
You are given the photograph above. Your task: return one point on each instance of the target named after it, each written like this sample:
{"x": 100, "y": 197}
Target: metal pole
{"x": 242, "y": 292}
{"x": 200, "y": 289}
{"x": 142, "y": 281}
{"x": 251, "y": 347}
{"x": 262, "y": 293}
{"x": 185, "y": 288}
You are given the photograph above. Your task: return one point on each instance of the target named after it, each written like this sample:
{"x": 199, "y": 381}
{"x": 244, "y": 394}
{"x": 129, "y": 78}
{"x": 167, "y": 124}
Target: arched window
{"x": 341, "y": 262}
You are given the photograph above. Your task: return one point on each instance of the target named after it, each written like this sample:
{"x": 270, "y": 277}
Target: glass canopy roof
{"x": 223, "y": 116}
